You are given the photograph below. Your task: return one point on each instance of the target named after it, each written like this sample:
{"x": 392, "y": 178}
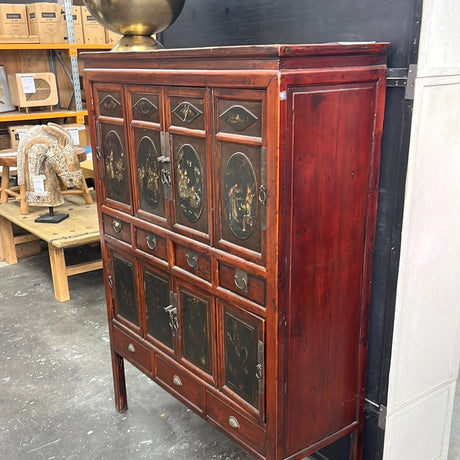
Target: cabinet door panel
{"x": 242, "y": 206}
{"x": 157, "y": 289}
{"x": 187, "y": 111}
{"x": 114, "y": 167}
{"x": 145, "y": 106}
{"x": 124, "y": 289}
{"x": 240, "y": 117}
{"x": 190, "y": 190}
{"x": 109, "y": 102}
{"x": 243, "y": 356}
{"x": 150, "y": 197}
{"x": 196, "y": 329}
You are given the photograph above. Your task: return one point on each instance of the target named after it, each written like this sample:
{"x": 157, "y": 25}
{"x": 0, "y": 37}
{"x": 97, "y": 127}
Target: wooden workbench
{"x": 81, "y": 227}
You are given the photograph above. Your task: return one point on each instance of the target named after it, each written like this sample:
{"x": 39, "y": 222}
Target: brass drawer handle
{"x": 177, "y": 381}
{"x": 116, "y": 225}
{"x": 241, "y": 280}
{"x": 192, "y": 259}
{"x": 151, "y": 241}
{"x": 233, "y": 422}
{"x": 131, "y": 348}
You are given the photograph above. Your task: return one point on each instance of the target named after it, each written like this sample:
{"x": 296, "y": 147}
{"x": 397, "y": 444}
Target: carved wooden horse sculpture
{"x": 48, "y": 166}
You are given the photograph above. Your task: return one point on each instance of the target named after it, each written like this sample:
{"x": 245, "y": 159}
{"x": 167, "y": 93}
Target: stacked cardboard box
{"x": 16, "y": 133}
{"x": 45, "y": 21}
{"x": 93, "y": 31}
{"x": 77, "y": 131}
{"x": 77, "y": 25}
{"x": 13, "y": 20}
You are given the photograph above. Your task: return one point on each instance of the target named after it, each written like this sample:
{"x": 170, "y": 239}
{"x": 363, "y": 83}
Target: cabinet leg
{"x": 119, "y": 383}
{"x": 356, "y": 445}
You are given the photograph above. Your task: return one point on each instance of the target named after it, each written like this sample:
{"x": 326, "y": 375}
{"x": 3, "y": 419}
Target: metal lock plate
{"x": 165, "y": 161}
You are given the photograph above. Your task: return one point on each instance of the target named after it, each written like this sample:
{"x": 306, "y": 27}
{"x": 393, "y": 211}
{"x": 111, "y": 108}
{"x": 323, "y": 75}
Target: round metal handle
{"x": 177, "y": 381}
{"x": 116, "y": 225}
{"x": 151, "y": 241}
{"x": 240, "y": 283}
{"x": 192, "y": 259}
{"x": 233, "y": 422}
{"x": 131, "y": 348}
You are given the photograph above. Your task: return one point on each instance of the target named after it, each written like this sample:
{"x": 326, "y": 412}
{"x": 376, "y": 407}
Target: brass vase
{"x": 136, "y": 20}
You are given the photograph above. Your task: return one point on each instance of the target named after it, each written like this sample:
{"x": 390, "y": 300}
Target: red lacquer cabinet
{"x": 237, "y": 193}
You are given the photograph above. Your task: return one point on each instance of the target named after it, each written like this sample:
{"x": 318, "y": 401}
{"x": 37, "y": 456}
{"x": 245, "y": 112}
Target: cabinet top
{"x": 247, "y": 57}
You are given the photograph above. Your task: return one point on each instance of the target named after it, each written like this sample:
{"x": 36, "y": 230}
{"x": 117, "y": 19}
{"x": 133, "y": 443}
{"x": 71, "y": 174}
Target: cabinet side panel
{"x": 331, "y": 147}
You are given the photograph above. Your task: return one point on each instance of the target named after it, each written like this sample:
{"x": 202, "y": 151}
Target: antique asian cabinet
{"x": 237, "y": 192}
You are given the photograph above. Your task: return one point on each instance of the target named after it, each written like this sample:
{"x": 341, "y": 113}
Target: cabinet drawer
{"x": 151, "y": 243}
{"x": 132, "y": 350}
{"x": 234, "y": 423}
{"x": 179, "y": 382}
{"x": 193, "y": 262}
{"x": 243, "y": 283}
{"x": 116, "y": 228}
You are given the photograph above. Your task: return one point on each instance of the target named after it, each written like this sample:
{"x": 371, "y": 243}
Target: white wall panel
{"x": 426, "y": 342}
{"x": 440, "y": 38}
{"x": 420, "y": 432}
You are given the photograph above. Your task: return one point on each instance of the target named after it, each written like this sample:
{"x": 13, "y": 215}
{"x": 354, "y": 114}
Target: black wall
{"x": 248, "y": 22}
{"x": 237, "y": 22}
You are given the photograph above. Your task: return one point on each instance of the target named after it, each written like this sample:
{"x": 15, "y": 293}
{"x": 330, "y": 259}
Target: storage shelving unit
{"x": 73, "y": 50}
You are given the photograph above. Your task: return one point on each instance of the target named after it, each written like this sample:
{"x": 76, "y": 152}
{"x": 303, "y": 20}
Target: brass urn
{"x": 136, "y": 20}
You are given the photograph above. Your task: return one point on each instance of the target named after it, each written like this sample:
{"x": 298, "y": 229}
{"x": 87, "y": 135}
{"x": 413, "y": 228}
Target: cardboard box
{"x": 16, "y": 133}
{"x": 45, "y": 20}
{"x": 13, "y": 20}
{"x": 93, "y": 32}
{"x": 111, "y": 37}
{"x": 77, "y": 25}
{"x": 78, "y": 132}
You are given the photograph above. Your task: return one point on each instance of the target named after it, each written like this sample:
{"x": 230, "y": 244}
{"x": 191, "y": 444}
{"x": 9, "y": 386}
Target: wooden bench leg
{"x": 5, "y": 184}
{"x": 7, "y": 241}
{"x": 22, "y": 200}
{"x": 59, "y": 273}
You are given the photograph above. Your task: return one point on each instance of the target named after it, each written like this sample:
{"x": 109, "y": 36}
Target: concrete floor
{"x": 56, "y": 394}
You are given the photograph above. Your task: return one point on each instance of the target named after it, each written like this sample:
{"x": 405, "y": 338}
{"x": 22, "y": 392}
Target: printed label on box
{"x": 28, "y": 84}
